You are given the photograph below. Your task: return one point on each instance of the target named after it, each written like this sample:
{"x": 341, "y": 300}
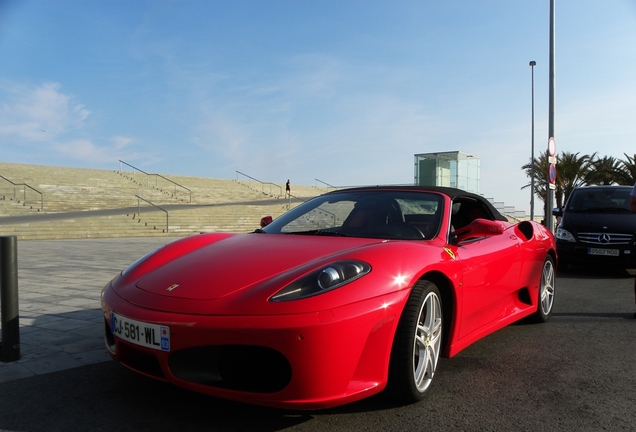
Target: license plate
{"x": 147, "y": 335}
{"x": 606, "y": 252}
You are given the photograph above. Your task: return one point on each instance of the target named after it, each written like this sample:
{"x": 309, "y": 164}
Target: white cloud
{"x": 224, "y": 135}
{"x": 120, "y": 142}
{"x": 40, "y": 113}
{"x": 52, "y": 124}
{"x": 84, "y": 150}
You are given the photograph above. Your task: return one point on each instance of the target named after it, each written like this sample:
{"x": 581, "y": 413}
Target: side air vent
{"x": 526, "y": 229}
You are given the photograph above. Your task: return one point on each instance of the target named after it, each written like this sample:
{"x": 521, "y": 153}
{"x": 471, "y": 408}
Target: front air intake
{"x": 236, "y": 367}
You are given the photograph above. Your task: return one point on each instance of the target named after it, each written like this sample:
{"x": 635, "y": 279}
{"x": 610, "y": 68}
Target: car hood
{"x": 238, "y": 262}
{"x": 600, "y": 222}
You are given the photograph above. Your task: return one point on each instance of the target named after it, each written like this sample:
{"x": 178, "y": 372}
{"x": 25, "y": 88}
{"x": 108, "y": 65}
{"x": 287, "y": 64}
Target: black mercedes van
{"x": 597, "y": 228}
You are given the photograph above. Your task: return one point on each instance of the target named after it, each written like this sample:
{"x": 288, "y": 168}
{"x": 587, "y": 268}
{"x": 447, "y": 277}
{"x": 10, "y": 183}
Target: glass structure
{"x": 451, "y": 169}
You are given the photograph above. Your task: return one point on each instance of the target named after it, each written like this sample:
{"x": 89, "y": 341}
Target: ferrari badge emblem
{"x": 172, "y": 287}
{"x": 449, "y": 252}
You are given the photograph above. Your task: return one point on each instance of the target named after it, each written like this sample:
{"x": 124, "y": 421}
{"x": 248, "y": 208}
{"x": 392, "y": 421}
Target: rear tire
{"x": 546, "y": 292}
{"x": 417, "y": 344}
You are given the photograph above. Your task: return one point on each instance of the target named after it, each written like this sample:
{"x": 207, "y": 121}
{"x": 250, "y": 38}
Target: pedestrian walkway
{"x": 59, "y": 286}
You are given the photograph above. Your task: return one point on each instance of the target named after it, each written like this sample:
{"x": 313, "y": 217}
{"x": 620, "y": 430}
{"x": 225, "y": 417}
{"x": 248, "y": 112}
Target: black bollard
{"x": 9, "y": 298}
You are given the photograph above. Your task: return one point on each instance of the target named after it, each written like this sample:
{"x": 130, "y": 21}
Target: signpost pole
{"x": 549, "y": 220}
{"x": 532, "y": 65}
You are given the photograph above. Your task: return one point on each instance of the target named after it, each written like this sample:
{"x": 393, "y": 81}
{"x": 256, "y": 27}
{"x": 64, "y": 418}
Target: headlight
{"x": 324, "y": 279}
{"x": 562, "y": 234}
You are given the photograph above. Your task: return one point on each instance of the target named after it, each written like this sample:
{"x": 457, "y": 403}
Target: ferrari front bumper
{"x": 301, "y": 361}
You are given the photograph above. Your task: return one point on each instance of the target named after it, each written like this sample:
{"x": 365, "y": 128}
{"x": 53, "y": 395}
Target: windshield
{"x": 392, "y": 214}
{"x": 601, "y": 199}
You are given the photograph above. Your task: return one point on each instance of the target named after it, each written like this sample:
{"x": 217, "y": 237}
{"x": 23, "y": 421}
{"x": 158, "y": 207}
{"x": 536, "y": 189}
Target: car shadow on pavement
{"x": 593, "y": 272}
{"x": 107, "y": 396}
{"x": 627, "y": 316}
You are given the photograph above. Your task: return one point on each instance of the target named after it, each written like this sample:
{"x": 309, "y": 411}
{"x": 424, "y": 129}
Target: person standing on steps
{"x": 287, "y": 189}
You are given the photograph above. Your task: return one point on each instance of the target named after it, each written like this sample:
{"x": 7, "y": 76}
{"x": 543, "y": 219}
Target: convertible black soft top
{"x": 453, "y": 193}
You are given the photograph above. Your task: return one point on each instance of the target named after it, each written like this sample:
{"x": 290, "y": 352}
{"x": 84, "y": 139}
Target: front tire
{"x": 546, "y": 291}
{"x": 417, "y": 344}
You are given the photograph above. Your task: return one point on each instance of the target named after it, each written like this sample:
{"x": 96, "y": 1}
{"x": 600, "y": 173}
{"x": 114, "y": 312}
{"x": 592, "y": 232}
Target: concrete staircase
{"x": 45, "y": 202}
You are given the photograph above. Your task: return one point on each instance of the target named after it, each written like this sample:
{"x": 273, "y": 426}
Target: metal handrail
{"x": 134, "y": 168}
{"x": 327, "y": 184}
{"x": 156, "y": 175}
{"x": 25, "y": 189}
{"x": 333, "y": 215}
{"x": 270, "y": 184}
{"x": 154, "y": 205}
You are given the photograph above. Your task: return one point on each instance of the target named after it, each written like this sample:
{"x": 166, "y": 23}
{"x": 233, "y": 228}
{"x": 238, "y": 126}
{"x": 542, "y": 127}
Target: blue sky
{"x": 341, "y": 91}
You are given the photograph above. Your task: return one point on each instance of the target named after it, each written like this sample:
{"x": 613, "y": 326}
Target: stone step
{"x": 239, "y": 204}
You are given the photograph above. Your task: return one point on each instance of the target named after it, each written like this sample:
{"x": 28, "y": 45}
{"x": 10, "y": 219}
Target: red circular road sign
{"x": 552, "y": 173}
{"x": 551, "y": 146}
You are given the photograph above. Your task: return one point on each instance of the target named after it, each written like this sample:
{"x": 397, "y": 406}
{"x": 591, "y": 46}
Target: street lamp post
{"x": 532, "y": 64}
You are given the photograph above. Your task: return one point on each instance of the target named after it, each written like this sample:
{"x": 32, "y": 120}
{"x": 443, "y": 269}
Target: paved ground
{"x": 59, "y": 285}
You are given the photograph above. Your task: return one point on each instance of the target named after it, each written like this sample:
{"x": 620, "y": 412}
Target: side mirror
{"x": 266, "y": 221}
{"x": 557, "y": 212}
{"x": 477, "y": 229}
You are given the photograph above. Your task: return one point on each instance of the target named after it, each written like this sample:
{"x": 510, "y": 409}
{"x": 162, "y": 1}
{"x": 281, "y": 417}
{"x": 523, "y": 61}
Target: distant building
{"x": 450, "y": 169}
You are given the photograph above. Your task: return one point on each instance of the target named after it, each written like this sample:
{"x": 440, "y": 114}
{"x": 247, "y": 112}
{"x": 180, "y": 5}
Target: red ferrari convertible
{"x": 351, "y": 293}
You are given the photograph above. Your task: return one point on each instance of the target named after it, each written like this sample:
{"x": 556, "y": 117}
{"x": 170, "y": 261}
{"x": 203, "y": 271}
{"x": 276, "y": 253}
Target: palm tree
{"x": 626, "y": 173}
{"x": 572, "y": 171}
{"x": 541, "y": 180}
{"x": 604, "y": 171}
